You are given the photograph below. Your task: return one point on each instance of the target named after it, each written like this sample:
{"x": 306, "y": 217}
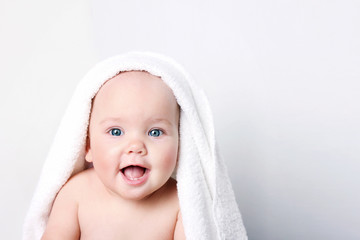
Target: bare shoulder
{"x": 179, "y": 233}
{"x": 63, "y": 221}
{"x": 80, "y": 178}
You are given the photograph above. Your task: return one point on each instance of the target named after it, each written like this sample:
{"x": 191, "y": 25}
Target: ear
{"x": 88, "y": 154}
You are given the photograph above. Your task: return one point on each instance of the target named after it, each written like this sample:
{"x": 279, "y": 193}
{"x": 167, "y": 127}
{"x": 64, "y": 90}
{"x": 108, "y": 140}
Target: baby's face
{"x": 133, "y": 134}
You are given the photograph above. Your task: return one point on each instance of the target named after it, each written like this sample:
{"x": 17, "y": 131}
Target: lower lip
{"x": 138, "y": 181}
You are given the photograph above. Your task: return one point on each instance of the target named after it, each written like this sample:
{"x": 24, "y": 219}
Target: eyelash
{"x": 116, "y": 132}
{"x": 111, "y": 131}
{"x": 161, "y": 132}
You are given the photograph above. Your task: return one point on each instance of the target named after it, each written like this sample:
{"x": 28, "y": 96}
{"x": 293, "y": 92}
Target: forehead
{"x": 135, "y": 90}
{"x": 132, "y": 82}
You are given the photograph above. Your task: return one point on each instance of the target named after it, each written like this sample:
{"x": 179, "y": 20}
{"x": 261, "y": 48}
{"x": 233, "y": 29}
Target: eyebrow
{"x": 156, "y": 120}
{"x": 151, "y": 120}
{"x": 111, "y": 119}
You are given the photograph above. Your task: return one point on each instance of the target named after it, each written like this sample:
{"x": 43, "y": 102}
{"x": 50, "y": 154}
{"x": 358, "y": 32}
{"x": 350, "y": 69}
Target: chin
{"x": 136, "y": 196}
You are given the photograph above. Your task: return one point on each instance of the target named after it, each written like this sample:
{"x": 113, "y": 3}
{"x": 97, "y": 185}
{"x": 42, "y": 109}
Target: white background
{"x": 282, "y": 77}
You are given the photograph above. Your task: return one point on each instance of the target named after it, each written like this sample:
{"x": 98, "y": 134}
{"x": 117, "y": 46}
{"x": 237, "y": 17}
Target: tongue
{"x": 133, "y": 172}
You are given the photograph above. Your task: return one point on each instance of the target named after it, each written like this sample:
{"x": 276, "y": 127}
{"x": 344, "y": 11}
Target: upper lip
{"x": 133, "y": 163}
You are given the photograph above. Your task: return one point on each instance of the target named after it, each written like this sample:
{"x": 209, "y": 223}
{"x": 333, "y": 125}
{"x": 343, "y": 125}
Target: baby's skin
{"x": 132, "y": 143}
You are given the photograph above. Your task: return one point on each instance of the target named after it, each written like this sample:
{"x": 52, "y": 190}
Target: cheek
{"x": 169, "y": 157}
{"x": 104, "y": 155}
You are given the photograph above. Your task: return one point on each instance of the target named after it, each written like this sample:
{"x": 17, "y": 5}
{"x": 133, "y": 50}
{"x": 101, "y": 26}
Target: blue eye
{"x": 116, "y": 132}
{"x": 155, "y": 133}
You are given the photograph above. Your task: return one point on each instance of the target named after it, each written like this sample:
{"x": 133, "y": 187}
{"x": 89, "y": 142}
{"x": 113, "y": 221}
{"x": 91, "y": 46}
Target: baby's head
{"x": 133, "y": 134}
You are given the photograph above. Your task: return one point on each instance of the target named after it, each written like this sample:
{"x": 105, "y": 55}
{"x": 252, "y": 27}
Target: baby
{"x": 134, "y": 119}
{"x": 132, "y": 143}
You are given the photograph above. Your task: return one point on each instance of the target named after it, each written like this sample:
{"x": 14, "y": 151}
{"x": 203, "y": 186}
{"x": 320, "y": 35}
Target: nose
{"x": 136, "y": 147}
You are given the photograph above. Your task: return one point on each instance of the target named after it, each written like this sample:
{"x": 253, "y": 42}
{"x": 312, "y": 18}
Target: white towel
{"x": 206, "y": 198}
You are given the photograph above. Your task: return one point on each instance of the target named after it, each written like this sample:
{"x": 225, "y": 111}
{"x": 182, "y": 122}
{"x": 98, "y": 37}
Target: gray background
{"x": 282, "y": 78}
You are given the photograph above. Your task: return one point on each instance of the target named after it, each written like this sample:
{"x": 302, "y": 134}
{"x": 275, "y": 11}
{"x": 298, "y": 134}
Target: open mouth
{"x": 134, "y": 172}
